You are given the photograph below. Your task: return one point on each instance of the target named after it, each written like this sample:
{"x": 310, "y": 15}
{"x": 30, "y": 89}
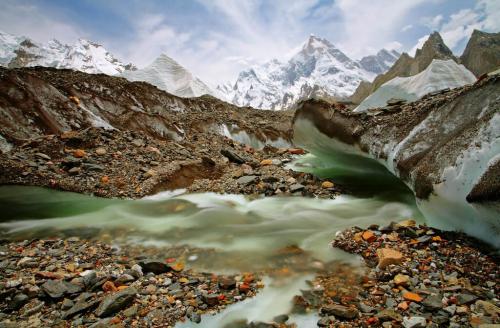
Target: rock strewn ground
{"x": 419, "y": 277}
{"x": 79, "y": 283}
{"x": 129, "y": 164}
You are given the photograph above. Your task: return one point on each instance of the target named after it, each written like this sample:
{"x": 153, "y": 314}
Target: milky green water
{"x": 245, "y": 234}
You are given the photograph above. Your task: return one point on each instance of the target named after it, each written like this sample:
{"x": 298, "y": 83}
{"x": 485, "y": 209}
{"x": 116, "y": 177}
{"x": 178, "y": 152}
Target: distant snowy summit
{"x": 319, "y": 69}
{"x": 84, "y": 55}
{"x": 168, "y": 75}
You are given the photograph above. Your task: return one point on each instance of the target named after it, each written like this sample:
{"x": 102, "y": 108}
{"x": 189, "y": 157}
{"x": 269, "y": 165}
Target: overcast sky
{"x": 216, "y": 39}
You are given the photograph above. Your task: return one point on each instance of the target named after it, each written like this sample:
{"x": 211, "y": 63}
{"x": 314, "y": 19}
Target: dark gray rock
{"x": 281, "y": 318}
{"x": 433, "y": 302}
{"x": 232, "y": 156}
{"x": 195, "y": 317}
{"x": 18, "y": 301}
{"x": 296, "y": 187}
{"x": 227, "y": 283}
{"x": 466, "y": 298}
{"x": 247, "y": 179}
{"x": 116, "y": 302}
{"x": 59, "y": 288}
{"x": 79, "y": 307}
{"x": 154, "y": 266}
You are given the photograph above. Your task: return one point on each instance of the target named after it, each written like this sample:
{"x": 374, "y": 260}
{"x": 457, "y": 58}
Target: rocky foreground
{"x": 78, "y": 283}
{"x": 418, "y": 277}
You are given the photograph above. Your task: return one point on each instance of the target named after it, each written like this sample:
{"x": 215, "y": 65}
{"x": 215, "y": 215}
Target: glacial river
{"x": 245, "y": 234}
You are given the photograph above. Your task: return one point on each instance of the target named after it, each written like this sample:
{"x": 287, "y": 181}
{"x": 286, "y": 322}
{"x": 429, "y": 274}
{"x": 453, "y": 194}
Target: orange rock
{"x": 115, "y": 320}
{"x": 121, "y": 287}
{"x": 388, "y": 256}
{"x": 266, "y": 162}
{"x": 179, "y": 266}
{"x": 409, "y": 296}
{"x": 244, "y": 288}
{"x": 109, "y": 286}
{"x": 79, "y": 153}
{"x": 296, "y": 151}
{"x": 75, "y": 100}
{"x": 248, "y": 278}
{"x": 403, "y": 306}
{"x": 105, "y": 179}
{"x": 327, "y": 184}
{"x": 437, "y": 238}
{"x": 369, "y": 236}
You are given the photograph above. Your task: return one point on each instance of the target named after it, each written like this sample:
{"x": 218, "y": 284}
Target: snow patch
{"x": 5, "y": 146}
{"x": 168, "y": 75}
{"x": 439, "y": 75}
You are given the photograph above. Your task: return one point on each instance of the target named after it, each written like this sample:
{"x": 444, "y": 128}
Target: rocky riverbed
{"x": 417, "y": 277}
{"x": 75, "y": 283}
{"x": 127, "y": 164}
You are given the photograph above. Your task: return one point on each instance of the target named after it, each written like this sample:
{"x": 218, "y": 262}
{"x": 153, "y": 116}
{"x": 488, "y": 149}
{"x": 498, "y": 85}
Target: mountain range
{"x": 318, "y": 69}
{"x": 83, "y": 55}
{"x": 481, "y": 55}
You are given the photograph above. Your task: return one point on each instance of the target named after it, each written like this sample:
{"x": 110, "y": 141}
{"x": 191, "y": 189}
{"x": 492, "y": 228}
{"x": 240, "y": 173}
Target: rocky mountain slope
{"x": 168, "y": 75}
{"x": 482, "y": 53}
{"x": 84, "y": 55}
{"x": 380, "y": 62}
{"x": 444, "y": 147}
{"x": 439, "y": 75}
{"x": 319, "y": 69}
{"x": 433, "y": 48}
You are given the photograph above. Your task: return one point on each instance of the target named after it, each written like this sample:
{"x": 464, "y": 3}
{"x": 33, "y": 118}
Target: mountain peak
{"x": 434, "y": 47}
{"x": 83, "y": 55}
{"x": 314, "y": 42}
{"x": 168, "y": 75}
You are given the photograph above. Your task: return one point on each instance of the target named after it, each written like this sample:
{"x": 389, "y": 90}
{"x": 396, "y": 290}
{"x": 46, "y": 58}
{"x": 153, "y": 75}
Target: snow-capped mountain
{"x": 83, "y": 55}
{"x": 168, "y": 75}
{"x": 380, "y": 62}
{"x": 319, "y": 69}
{"x": 439, "y": 75}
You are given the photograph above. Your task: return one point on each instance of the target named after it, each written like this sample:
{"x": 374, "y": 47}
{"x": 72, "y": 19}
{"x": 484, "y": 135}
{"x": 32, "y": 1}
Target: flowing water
{"x": 228, "y": 233}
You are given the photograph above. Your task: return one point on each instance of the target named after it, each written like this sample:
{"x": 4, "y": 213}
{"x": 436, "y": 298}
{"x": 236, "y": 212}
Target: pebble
{"x": 414, "y": 322}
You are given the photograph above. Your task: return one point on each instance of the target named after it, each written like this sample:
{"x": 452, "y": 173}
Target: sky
{"x": 216, "y": 39}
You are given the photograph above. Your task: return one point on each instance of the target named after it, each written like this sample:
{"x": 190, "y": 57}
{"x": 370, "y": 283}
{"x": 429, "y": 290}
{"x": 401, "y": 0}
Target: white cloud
{"x": 433, "y": 22}
{"x": 393, "y": 45}
{"x": 153, "y": 37}
{"x": 370, "y": 24}
{"x": 491, "y": 10}
{"x": 460, "y": 27}
{"x": 407, "y": 28}
{"x": 29, "y": 20}
{"x": 419, "y": 45}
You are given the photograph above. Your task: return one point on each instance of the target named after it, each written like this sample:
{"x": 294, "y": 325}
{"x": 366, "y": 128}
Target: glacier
{"x": 439, "y": 75}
